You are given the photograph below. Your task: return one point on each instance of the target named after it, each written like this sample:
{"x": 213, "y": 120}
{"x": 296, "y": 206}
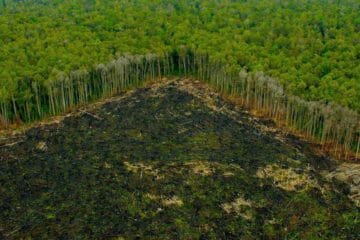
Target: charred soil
{"x": 171, "y": 160}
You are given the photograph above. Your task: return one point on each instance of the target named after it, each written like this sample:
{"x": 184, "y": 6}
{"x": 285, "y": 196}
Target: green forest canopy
{"x": 311, "y": 46}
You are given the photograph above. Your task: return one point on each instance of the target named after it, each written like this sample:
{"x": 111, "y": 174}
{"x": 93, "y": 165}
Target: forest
{"x": 299, "y": 61}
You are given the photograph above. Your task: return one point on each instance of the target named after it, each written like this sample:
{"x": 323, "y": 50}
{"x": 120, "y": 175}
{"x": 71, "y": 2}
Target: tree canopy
{"x": 311, "y": 47}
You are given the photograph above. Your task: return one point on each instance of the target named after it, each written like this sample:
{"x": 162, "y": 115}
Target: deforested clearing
{"x": 171, "y": 160}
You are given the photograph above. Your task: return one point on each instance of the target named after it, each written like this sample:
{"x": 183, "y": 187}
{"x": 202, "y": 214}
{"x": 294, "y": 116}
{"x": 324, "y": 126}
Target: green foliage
{"x": 311, "y": 46}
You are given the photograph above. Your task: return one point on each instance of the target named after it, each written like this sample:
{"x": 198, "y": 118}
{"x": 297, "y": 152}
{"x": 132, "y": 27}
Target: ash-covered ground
{"x": 172, "y": 160}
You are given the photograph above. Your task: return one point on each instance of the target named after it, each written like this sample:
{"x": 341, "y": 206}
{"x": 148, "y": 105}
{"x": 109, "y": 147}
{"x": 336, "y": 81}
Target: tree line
{"x": 63, "y": 91}
{"x": 328, "y": 123}
{"x": 325, "y": 122}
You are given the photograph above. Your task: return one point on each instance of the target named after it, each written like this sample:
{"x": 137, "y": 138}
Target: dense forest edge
{"x": 327, "y": 123}
{"x": 257, "y": 50}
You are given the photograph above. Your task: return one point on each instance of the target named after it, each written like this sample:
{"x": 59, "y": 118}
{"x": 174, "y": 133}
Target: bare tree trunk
{"x": 357, "y": 148}
{"x": 14, "y": 106}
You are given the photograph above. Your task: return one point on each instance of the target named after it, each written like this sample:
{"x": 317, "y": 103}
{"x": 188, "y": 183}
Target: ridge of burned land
{"x": 171, "y": 160}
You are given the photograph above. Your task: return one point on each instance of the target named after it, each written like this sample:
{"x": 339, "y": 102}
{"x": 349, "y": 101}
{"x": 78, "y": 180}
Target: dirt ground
{"x": 172, "y": 160}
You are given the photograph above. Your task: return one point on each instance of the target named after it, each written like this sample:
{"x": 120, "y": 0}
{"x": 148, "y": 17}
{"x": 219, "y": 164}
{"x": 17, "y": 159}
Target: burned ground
{"x": 169, "y": 161}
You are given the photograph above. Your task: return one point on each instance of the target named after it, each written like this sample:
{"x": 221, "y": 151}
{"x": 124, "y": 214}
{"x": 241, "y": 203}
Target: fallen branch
{"x": 11, "y": 144}
{"x": 92, "y": 115}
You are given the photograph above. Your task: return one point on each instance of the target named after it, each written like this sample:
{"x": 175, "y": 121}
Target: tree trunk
{"x": 358, "y": 148}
